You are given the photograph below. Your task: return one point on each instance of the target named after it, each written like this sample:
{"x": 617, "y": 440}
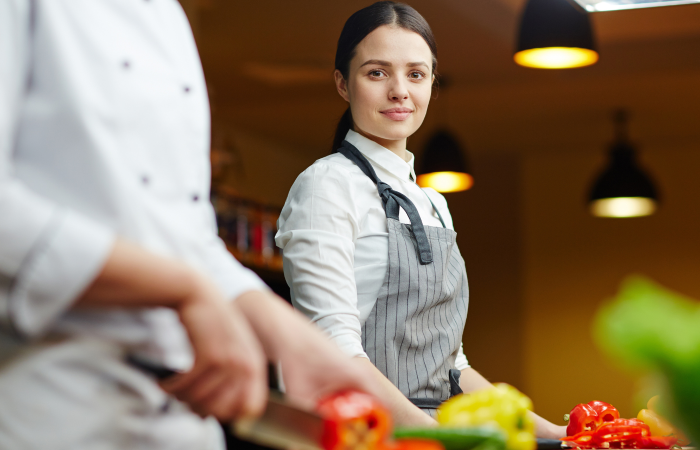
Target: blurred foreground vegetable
{"x": 501, "y": 406}
{"x": 464, "y": 438}
{"x": 651, "y": 329}
{"x": 412, "y": 444}
{"x": 357, "y": 421}
{"x": 353, "y": 420}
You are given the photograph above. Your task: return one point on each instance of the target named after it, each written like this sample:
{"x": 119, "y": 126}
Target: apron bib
{"x": 414, "y": 331}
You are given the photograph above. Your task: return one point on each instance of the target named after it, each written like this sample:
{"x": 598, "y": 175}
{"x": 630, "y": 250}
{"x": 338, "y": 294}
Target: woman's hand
{"x": 548, "y": 430}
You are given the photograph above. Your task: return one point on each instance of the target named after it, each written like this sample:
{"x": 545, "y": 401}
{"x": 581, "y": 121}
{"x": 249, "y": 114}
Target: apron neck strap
{"x": 392, "y": 200}
{"x": 436, "y": 210}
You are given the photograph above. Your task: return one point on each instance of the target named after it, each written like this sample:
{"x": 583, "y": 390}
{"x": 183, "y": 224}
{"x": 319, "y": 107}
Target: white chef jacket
{"x": 335, "y": 242}
{"x": 104, "y": 132}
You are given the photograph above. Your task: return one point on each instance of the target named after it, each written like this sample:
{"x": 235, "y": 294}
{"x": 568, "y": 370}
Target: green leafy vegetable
{"x": 648, "y": 328}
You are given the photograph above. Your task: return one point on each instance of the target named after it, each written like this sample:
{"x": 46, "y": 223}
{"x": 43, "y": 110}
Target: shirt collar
{"x": 383, "y": 157}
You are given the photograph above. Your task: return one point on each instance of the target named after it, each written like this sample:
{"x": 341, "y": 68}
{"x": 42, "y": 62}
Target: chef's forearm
{"x": 135, "y": 277}
{"x": 274, "y": 322}
{"x": 402, "y": 410}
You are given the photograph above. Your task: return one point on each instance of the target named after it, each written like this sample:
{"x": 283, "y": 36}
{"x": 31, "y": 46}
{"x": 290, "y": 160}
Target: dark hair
{"x": 362, "y": 23}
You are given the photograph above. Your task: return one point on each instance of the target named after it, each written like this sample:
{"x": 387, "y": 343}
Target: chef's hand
{"x": 312, "y": 365}
{"x": 228, "y": 379}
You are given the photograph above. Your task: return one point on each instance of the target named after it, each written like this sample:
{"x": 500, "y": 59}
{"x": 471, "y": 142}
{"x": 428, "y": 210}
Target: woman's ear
{"x": 342, "y": 85}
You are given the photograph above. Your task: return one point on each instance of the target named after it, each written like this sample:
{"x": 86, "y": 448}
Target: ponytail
{"x": 344, "y": 125}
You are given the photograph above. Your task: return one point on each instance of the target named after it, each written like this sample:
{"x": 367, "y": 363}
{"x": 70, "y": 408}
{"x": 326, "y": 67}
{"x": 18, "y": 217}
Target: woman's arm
{"x": 471, "y": 380}
{"x": 402, "y": 410}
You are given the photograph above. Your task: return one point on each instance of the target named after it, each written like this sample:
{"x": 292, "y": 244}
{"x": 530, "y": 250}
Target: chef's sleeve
{"x": 317, "y": 231}
{"x": 48, "y": 254}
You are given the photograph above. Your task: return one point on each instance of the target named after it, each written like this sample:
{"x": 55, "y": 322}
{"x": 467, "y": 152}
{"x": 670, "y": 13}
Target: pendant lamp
{"x": 614, "y": 5}
{"x": 623, "y": 189}
{"x": 444, "y": 167}
{"x": 555, "y": 34}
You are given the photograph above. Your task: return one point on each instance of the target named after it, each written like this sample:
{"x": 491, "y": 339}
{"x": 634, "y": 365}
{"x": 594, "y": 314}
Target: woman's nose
{"x": 398, "y": 91}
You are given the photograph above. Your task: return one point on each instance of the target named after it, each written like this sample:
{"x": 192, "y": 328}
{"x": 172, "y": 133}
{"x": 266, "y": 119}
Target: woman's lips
{"x": 397, "y": 114}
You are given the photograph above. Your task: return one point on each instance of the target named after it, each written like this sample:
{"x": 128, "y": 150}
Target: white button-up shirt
{"x": 104, "y": 132}
{"x": 335, "y": 242}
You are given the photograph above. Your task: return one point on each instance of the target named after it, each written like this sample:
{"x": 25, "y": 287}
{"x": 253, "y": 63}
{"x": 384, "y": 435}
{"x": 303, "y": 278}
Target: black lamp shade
{"x": 443, "y": 154}
{"x": 444, "y": 167}
{"x": 623, "y": 177}
{"x": 555, "y": 23}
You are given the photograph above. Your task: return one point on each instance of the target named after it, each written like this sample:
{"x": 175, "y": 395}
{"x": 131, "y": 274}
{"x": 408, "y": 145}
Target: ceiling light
{"x": 613, "y": 5}
{"x": 555, "y": 34}
{"x": 623, "y": 189}
{"x": 623, "y": 207}
{"x": 444, "y": 167}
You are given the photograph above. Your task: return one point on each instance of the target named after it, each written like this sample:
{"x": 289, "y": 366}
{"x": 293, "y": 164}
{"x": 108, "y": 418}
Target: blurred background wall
{"x": 539, "y": 264}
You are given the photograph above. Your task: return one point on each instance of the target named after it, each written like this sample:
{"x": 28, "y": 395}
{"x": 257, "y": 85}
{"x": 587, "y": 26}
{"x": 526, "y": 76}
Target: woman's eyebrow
{"x": 380, "y": 62}
{"x": 420, "y": 63}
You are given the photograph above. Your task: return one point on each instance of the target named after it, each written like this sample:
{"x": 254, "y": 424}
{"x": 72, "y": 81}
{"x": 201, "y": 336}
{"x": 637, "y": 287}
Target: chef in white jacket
{"x": 108, "y": 246}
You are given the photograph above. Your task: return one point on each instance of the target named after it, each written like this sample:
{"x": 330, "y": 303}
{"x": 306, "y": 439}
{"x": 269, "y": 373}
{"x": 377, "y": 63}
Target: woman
{"x": 371, "y": 257}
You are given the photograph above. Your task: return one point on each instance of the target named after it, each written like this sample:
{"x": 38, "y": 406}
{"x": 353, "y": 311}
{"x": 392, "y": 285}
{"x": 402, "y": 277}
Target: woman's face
{"x": 389, "y": 84}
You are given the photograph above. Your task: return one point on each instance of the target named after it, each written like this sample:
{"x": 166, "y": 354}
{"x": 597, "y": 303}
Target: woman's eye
{"x": 376, "y": 73}
{"x": 417, "y": 75}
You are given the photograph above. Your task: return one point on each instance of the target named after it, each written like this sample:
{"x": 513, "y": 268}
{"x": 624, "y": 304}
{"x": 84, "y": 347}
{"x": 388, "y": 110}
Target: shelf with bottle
{"x": 248, "y": 228}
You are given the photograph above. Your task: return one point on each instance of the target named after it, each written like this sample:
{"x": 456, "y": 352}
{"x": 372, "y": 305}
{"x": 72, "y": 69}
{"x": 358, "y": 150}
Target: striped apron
{"x": 414, "y": 331}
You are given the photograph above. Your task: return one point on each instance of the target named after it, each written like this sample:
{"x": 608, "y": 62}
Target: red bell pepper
{"x": 581, "y": 418}
{"x": 606, "y": 412}
{"x": 589, "y": 416}
{"x": 353, "y": 420}
{"x": 658, "y": 442}
{"x": 624, "y": 431}
{"x": 413, "y": 444}
{"x": 598, "y": 425}
{"x": 620, "y": 433}
{"x": 583, "y": 439}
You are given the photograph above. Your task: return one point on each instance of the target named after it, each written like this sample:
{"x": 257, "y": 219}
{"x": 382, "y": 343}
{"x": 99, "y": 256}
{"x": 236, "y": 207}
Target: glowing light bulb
{"x": 446, "y": 181}
{"x": 623, "y": 207}
{"x": 556, "y": 57}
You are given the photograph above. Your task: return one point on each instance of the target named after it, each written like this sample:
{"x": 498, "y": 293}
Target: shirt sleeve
{"x": 461, "y": 362}
{"x": 48, "y": 254}
{"x": 317, "y": 231}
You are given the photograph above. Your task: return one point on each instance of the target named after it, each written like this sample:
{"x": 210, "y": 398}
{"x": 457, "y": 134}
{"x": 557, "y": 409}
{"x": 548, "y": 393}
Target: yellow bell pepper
{"x": 658, "y": 425}
{"x": 501, "y": 405}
